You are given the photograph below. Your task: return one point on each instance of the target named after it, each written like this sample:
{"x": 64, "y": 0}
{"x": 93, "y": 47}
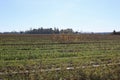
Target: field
{"x": 59, "y": 57}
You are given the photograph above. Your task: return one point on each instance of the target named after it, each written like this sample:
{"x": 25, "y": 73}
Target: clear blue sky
{"x": 80, "y": 15}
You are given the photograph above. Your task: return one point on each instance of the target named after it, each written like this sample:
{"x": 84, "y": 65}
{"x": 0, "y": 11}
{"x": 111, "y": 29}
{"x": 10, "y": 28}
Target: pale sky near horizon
{"x": 80, "y": 15}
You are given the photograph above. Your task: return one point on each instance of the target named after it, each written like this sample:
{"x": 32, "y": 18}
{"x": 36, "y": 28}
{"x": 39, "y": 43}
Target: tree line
{"x": 54, "y": 31}
{"x": 43, "y": 31}
{"x": 116, "y": 33}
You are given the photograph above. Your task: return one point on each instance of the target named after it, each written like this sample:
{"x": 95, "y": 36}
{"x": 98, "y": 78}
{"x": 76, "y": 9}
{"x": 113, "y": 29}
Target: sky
{"x": 80, "y": 15}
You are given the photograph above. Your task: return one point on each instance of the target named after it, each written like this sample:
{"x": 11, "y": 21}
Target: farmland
{"x": 59, "y": 57}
